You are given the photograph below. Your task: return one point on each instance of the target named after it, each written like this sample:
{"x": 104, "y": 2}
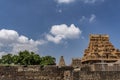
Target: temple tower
{"x": 61, "y": 62}
{"x": 100, "y": 49}
{"x": 76, "y": 62}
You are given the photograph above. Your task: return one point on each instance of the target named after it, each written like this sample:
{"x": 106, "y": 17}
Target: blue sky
{"x": 56, "y": 27}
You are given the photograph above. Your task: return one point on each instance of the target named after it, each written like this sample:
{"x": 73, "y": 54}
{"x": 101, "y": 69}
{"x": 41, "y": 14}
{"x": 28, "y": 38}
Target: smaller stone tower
{"x": 61, "y": 62}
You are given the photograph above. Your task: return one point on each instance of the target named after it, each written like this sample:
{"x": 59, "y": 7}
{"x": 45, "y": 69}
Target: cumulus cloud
{"x": 12, "y": 42}
{"x": 65, "y": 1}
{"x": 60, "y": 32}
{"x": 55, "y": 39}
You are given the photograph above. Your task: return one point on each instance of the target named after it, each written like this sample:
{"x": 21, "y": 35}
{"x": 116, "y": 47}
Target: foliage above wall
{"x": 27, "y": 58}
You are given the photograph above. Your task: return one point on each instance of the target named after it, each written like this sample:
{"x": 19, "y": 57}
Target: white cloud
{"x": 12, "y": 42}
{"x": 89, "y": 1}
{"x": 55, "y": 39}
{"x": 92, "y": 1}
{"x": 83, "y": 18}
{"x": 92, "y": 18}
{"x": 60, "y": 32}
{"x": 65, "y": 1}
{"x": 23, "y": 39}
{"x": 60, "y": 10}
{"x": 84, "y": 1}
{"x": 10, "y": 35}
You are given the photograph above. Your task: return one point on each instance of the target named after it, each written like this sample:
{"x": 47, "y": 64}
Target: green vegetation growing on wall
{"x": 27, "y": 58}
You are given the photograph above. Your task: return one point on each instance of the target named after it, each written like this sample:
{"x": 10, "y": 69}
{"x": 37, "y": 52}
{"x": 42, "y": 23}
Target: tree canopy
{"x": 27, "y": 58}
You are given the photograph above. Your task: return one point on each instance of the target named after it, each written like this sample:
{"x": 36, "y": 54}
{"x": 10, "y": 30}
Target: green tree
{"x": 35, "y": 58}
{"x": 24, "y": 58}
{"x": 7, "y": 59}
{"x": 48, "y": 60}
{"x": 27, "y": 58}
{"x": 15, "y": 59}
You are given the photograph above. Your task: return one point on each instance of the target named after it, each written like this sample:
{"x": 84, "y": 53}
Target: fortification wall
{"x": 53, "y": 73}
{"x": 96, "y": 75}
{"x": 32, "y": 73}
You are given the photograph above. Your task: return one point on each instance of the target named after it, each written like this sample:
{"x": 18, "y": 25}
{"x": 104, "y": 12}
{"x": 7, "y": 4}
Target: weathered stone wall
{"x": 96, "y": 75}
{"x": 32, "y": 72}
{"x": 104, "y": 67}
{"x": 54, "y": 73}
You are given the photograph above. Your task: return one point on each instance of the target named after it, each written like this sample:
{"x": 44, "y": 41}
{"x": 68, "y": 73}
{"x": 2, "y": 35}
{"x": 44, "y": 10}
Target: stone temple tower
{"x": 61, "y": 62}
{"x": 100, "y": 49}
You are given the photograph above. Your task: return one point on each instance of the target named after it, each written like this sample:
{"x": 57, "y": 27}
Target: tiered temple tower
{"x": 76, "y": 62}
{"x": 61, "y": 62}
{"x": 100, "y": 49}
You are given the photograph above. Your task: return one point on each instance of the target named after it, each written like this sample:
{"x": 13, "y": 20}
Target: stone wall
{"x": 54, "y": 73}
{"x": 33, "y": 72}
{"x": 105, "y": 67}
{"x": 96, "y": 75}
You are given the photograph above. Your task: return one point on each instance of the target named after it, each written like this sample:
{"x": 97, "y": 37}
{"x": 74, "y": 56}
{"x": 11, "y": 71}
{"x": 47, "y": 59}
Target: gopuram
{"x": 61, "y": 62}
{"x": 100, "y": 49}
{"x": 100, "y": 55}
